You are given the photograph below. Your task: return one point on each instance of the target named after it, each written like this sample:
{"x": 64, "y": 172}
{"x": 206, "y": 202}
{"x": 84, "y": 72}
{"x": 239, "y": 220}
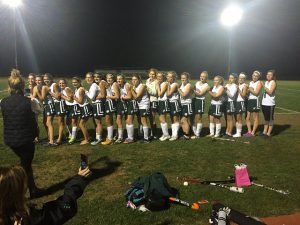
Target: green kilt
{"x": 163, "y": 107}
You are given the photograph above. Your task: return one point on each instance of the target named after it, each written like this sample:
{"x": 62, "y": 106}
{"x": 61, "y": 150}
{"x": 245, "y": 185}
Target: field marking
{"x": 289, "y": 110}
{"x": 286, "y": 113}
{"x": 288, "y": 89}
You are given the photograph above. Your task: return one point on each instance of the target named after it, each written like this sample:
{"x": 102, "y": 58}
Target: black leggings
{"x": 268, "y": 112}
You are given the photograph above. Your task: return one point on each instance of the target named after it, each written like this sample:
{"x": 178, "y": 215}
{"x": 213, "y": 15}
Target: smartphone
{"x": 83, "y": 161}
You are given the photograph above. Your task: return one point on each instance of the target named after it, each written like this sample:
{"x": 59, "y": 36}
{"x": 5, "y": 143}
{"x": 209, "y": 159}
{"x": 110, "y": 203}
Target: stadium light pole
{"x": 229, "y": 18}
{"x": 14, "y": 5}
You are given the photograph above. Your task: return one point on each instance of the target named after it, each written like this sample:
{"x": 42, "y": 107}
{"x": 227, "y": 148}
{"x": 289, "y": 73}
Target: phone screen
{"x": 83, "y": 161}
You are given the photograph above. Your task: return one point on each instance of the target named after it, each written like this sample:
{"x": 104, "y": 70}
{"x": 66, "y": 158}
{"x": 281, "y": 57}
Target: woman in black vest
{"x": 20, "y": 126}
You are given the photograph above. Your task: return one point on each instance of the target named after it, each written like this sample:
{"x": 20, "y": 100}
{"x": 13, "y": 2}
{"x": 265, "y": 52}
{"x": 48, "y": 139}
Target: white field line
{"x": 288, "y": 89}
{"x": 286, "y": 113}
{"x": 3, "y": 91}
{"x": 292, "y": 111}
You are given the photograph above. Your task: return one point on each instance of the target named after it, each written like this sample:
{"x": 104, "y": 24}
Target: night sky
{"x": 71, "y": 37}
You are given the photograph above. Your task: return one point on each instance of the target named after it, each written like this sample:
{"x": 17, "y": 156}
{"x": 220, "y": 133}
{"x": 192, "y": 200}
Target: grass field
{"x": 274, "y": 161}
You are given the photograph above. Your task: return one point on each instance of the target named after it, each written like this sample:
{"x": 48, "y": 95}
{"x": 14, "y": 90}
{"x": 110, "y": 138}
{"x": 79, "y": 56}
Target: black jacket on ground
{"x": 62, "y": 209}
{"x": 19, "y": 122}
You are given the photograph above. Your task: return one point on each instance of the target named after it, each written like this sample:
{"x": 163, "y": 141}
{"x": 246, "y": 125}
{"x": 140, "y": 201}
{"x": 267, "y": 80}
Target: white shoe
{"x": 217, "y": 135}
{"x": 236, "y": 135}
{"x": 173, "y": 139}
{"x": 164, "y": 138}
{"x": 195, "y": 137}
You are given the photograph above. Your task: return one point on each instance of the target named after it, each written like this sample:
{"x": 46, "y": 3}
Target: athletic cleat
{"x": 154, "y": 137}
{"x": 95, "y": 142}
{"x": 144, "y": 141}
{"x": 107, "y": 142}
{"x": 248, "y": 135}
{"x": 48, "y": 144}
{"x": 210, "y": 135}
{"x": 195, "y": 137}
{"x": 115, "y": 138}
{"x": 216, "y": 135}
{"x": 227, "y": 136}
{"x": 164, "y": 138}
{"x": 237, "y": 135}
{"x": 71, "y": 141}
{"x": 185, "y": 137}
{"x": 118, "y": 141}
{"x": 173, "y": 139}
{"x": 128, "y": 141}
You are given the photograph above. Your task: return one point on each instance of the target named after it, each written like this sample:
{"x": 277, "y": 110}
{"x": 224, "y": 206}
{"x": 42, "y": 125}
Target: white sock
{"x": 74, "y": 131}
{"x": 198, "y": 129}
{"x": 120, "y": 133}
{"x": 164, "y": 128}
{"x": 146, "y": 133}
{"x": 98, "y": 136}
{"x": 218, "y": 128}
{"x": 194, "y": 128}
{"x": 212, "y": 128}
{"x": 176, "y": 129}
{"x": 110, "y": 132}
{"x": 239, "y": 127}
{"x": 173, "y": 129}
{"x": 130, "y": 131}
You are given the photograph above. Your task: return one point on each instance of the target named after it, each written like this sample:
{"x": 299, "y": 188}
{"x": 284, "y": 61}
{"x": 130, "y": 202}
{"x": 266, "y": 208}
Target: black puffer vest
{"x": 19, "y": 122}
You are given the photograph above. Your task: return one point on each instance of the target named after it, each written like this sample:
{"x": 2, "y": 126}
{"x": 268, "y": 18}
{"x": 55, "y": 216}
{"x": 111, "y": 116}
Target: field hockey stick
{"x": 194, "y": 205}
{"x": 230, "y": 188}
{"x": 271, "y": 189}
{"x": 198, "y": 180}
{"x": 232, "y": 140}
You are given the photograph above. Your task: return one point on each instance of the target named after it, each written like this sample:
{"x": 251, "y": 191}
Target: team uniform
{"x": 253, "y": 104}
{"x": 215, "y": 108}
{"x": 268, "y": 103}
{"x": 59, "y": 105}
{"x": 143, "y": 102}
{"x": 199, "y": 101}
{"x": 231, "y": 95}
{"x": 186, "y": 102}
{"x": 98, "y": 105}
{"x": 122, "y": 104}
{"x": 151, "y": 89}
{"x": 240, "y": 106}
{"x": 48, "y": 103}
{"x": 85, "y": 109}
{"x": 163, "y": 103}
{"x": 175, "y": 108}
{"x": 110, "y": 104}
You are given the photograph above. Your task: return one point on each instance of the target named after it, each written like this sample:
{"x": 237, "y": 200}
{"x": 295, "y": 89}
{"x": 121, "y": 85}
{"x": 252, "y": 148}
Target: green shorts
{"x": 110, "y": 106}
{"x": 98, "y": 109}
{"x": 198, "y": 106}
{"x": 215, "y": 111}
{"x": 240, "y": 107}
{"x": 163, "y": 107}
{"x": 253, "y": 105}
{"x": 153, "y": 106}
{"x": 49, "y": 110}
{"x": 85, "y": 111}
{"x": 186, "y": 110}
{"x": 230, "y": 107}
{"x": 175, "y": 108}
{"x": 144, "y": 112}
{"x": 121, "y": 108}
{"x": 132, "y": 108}
{"x": 60, "y": 108}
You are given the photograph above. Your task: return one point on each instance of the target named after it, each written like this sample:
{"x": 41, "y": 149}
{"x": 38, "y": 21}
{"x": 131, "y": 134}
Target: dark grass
{"x": 274, "y": 161}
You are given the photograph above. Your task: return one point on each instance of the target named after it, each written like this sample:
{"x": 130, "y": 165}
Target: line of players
{"x": 113, "y": 97}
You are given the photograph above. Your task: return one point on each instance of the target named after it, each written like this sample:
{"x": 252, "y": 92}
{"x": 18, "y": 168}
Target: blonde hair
{"x": 153, "y": 70}
{"x": 13, "y": 186}
{"x": 186, "y": 74}
{"x": 221, "y": 79}
{"x": 173, "y": 74}
{"x": 16, "y": 82}
{"x": 258, "y": 73}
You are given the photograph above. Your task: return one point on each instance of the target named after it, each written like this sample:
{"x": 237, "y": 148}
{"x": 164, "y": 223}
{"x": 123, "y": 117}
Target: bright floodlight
{"x": 13, "y": 3}
{"x": 231, "y": 15}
